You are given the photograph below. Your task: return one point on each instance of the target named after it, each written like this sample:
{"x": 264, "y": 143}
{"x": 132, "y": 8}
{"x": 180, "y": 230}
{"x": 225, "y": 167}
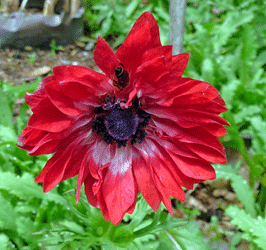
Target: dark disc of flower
{"x": 121, "y": 123}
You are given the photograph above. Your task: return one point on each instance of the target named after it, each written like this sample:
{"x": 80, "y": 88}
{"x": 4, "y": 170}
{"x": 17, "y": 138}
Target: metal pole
{"x": 176, "y": 25}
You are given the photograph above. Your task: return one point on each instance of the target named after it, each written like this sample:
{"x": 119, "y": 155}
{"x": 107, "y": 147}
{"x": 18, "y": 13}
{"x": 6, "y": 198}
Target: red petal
{"x": 93, "y": 184}
{"x": 46, "y": 143}
{"x": 95, "y": 82}
{"x": 145, "y": 18}
{"x": 45, "y": 148}
{"x": 61, "y": 101}
{"x": 210, "y": 107}
{"x": 164, "y": 193}
{"x": 164, "y": 147}
{"x": 75, "y": 162}
{"x": 35, "y": 98}
{"x": 55, "y": 173}
{"x": 29, "y": 137}
{"x": 202, "y": 143}
{"x": 105, "y": 58}
{"x": 88, "y": 183}
{"x": 219, "y": 100}
{"x": 131, "y": 51}
{"x": 71, "y": 72}
{"x": 215, "y": 129}
{"x": 47, "y": 117}
{"x": 143, "y": 36}
{"x": 119, "y": 194}
{"x": 40, "y": 177}
{"x": 162, "y": 51}
{"x": 189, "y": 92}
{"x": 83, "y": 172}
{"x": 65, "y": 172}
{"x": 194, "y": 168}
{"x": 179, "y": 63}
{"x": 164, "y": 181}
{"x": 154, "y": 28}
{"x": 145, "y": 182}
{"x": 64, "y": 163}
{"x": 82, "y": 94}
{"x": 172, "y": 129}
{"x": 207, "y": 153}
{"x": 199, "y": 136}
{"x": 155, "y": 67}
{"x": 168, "y": 181}
{"x": 186, "y": 118}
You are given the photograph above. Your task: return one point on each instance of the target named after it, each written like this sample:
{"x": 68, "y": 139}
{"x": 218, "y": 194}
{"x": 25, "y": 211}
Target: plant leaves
{"x": 8, "y": 215}
{"x": 7, "y": 134}
{"x": 239, "y": 184}
{"x": 187, "y": 237}
{"x": 6, "y": 115}
{"x": 4, "y": 242}
{"x": 230, "y": 25}
{"x": 25, "y": 188}
{"x": 254, "y": 228}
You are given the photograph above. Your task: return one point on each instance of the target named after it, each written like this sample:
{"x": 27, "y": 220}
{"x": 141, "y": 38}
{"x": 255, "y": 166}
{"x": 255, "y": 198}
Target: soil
{"x": 17, "y": 66}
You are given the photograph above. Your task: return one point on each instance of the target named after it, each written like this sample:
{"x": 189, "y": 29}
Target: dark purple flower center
{"x": 121, "y": 125}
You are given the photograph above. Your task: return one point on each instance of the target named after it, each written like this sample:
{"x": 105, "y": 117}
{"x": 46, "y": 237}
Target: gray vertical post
{"x": 176, "y": 25}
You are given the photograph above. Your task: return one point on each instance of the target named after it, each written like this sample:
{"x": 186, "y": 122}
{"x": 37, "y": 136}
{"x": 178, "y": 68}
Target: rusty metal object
{"x": 9, "y": 5}
{"x": 59, "y": 20}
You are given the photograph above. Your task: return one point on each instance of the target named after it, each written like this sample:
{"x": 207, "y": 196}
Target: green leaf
{"x": 107, "y": 24}
{"x": 25, "y": 228}
{"x": 259, "y": 127}
{"x": 248, "y": 52}
{"x": 4, "y": 242}
{"x": 246, "y": 112}
{"x": 141, "y": 210}
{"x": 20, "y": 91}
{"x": 131, "y": 8}
{"x": 207, "y": 70}
{"x": 232, "y": 22}
{"x": 148, "y": 242}
{"x": 6, "y": 115}
{"x": 187, "y": 237}
{"x": 72, "y": 227}
{"x": 239, "y": 184}
{"x": 7, "y": 134}
{"x": 25, "y": 188}
{"x": 228, "y": 92}
{"x": 7, "y": 216}
{"x": 261, "y": 59}
{"x": 254, "y": 228}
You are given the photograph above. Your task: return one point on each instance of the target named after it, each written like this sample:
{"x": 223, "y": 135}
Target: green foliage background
{"x": 227, "y": 42}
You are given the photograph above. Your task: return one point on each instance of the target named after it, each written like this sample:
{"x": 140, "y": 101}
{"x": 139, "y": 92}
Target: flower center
{"x": 121, "y": 125}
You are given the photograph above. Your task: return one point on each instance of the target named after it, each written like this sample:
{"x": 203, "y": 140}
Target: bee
{"x": 122, "y": 78}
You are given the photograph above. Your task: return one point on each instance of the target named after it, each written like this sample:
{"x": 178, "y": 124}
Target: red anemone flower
{"x": 140, "y": 126}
